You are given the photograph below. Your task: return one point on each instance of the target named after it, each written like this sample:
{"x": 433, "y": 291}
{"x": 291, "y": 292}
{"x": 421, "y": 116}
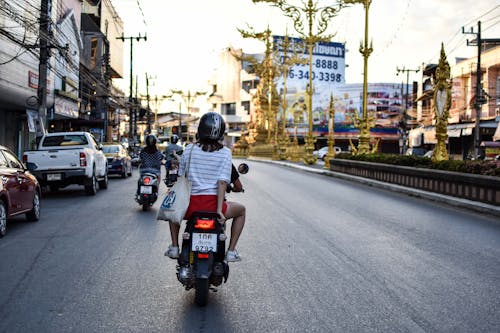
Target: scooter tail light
{"x": 147, "y": 180}
{"x": 205, "y": 224}
{"x": 203, "y": 255}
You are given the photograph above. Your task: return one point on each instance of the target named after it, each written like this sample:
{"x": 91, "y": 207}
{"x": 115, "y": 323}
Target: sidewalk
{"x": 318, "y": 168}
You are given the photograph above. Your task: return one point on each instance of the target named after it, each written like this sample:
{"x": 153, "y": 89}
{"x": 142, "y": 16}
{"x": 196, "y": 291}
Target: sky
{"x": 185, "y": 36}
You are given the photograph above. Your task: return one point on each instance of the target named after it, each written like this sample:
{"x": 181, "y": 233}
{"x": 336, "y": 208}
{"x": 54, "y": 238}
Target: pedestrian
{"x": 210, "y": 173}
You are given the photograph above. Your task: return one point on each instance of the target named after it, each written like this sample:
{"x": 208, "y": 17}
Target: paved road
{"x": 320, "y": 255}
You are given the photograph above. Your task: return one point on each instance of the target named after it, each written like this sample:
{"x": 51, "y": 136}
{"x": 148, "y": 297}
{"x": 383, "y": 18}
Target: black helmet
{"x": 211, "y": 126}
{"x": 150, "y": 140}
{"x": 174, "y": 139}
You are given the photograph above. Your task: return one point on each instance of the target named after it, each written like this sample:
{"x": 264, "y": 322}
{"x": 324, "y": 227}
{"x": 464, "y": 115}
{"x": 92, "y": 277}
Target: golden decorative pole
{"x": 442, "y": 103}
{"x": 311, "y": 14}
{"x": 290, "y": 58}
{"x": 365, "y": 123}
{"x": 268, "y": 72}
{"x": 331, "y": 133}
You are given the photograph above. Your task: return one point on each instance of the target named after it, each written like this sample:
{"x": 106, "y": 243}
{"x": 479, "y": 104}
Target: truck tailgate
{"x": 55, "y": 159}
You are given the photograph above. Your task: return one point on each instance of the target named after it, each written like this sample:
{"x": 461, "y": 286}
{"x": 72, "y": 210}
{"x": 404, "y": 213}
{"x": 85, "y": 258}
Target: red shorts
{"x": 203, "y": 202}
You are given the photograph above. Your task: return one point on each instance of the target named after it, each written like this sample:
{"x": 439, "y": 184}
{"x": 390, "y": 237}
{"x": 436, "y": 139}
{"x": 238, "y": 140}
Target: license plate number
{"x": 146, "y": 189}
{"x": 53, "y": 176}
{"x": 204, "y": 242}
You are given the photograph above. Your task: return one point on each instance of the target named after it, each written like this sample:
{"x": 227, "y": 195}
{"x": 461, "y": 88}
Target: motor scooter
{"x": 173, "y": 170}
{"x": 201, "y": 263}
{"x": 147, "y": 189}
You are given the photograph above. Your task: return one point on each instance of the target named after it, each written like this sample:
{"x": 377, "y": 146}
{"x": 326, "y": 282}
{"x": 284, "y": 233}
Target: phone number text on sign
{"x": 328, "y": 62}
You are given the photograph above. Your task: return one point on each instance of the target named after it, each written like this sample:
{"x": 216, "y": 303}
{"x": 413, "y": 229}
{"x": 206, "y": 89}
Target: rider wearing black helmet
{"x": 210, "y": 173}
{"x": 151, "y": 157}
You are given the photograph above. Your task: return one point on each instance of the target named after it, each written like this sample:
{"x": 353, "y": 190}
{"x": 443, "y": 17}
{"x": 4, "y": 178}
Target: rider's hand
{"x": 221, "y": 218}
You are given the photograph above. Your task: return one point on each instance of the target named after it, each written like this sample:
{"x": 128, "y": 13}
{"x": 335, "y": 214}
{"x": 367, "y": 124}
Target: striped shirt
{"x": 206, "y": 169}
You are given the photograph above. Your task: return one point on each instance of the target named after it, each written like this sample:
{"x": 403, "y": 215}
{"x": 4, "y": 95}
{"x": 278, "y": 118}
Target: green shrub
{"x": 489, "y": 168}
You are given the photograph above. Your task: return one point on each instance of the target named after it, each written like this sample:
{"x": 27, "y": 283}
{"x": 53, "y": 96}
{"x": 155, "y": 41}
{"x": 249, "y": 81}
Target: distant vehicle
{"x": 320, "y": 153}
{"x": 19, "y": 190}
{"x": 65, "y": 158}
{"x": 415, "y": 151}
{"x": 429, "y": 154}
{"x": 119, "y": 161}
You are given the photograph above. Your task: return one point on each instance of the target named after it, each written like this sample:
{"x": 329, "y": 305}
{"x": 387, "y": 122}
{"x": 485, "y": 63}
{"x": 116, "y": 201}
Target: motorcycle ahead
{"x": 173, "y": 170}
{"x": 147, "y": 189}
{"x": 201, "y": 263}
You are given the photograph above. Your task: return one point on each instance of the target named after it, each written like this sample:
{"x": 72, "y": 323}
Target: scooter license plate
{"x": 204, "y": 242}
{"x": 146, "y": 189}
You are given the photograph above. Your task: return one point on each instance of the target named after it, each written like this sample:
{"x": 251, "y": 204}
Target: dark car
{"x": 19, "y": 190}
{"x": 119, "y": 161}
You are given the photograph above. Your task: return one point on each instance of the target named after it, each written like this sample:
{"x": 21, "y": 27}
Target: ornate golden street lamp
{"x": 442, "y": 104}
{"x": 290, "y": 58}
{"x": 311, "y": 14}
{"x": 266, "y": 94}
{"x": 364, "y": 124}
{"x": 331, "y": 133}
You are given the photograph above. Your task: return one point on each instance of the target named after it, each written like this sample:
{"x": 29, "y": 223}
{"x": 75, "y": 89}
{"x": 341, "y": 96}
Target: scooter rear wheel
{"x": 201, "y": 292}
{"x": 145, "y": 207}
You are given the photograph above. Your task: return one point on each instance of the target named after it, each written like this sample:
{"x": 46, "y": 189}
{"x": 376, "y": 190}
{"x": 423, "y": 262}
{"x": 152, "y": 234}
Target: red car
{"x": 19, "y": 190}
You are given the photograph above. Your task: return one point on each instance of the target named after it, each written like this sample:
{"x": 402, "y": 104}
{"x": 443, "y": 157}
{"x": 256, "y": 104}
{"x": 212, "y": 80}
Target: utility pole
{"x": 147, "y": 98}
{"x": 479, "y": 99}
{"x": 45, "y": 10}
{"x": 405, "y": 109}
{"x": 132, "y": 111}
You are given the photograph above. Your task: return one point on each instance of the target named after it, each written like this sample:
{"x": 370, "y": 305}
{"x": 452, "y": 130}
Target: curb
{"x": 445, "y": 199}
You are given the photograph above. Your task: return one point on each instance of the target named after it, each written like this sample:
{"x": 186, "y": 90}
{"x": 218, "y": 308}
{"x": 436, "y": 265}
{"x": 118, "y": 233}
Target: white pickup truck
{"x": 65, "y": 158}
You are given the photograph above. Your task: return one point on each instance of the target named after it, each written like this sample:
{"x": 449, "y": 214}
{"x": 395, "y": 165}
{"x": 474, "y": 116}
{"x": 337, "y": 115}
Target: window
{"x": 498, "y": 90}
{"x": 64, "y": 140}
{"x": 93, "y": 52}
{"x": 3, "y": 161}
{"x": 246, "y": 106}
{"x": 13, "y": 160}
{"x": 228, "y": 109}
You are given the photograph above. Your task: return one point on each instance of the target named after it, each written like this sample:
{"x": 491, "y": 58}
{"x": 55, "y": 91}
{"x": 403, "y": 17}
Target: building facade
{"x": 462, "y": 117}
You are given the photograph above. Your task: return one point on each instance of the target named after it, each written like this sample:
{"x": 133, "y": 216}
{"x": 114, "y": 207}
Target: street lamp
{"x": 311, "y": 14}
{"x": 188, "y": 98}
{"x": 365, "y": 123}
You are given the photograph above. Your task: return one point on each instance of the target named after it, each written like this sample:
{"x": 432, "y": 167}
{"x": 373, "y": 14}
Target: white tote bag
{"x": 176, "y": 201}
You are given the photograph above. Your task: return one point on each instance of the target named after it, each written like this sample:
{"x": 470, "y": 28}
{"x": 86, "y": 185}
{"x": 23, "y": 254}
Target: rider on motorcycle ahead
{"x": 171, "y": 149}
{"x": 151, "y": 157}
{"x": 210, "y": 174}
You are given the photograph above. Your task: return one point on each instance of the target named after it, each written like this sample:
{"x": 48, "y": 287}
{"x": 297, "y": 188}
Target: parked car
{"x": 415, "y": 151}
{"x": 19, "y": 190}
{"x": 119, "y": 161}
{"x": 321, "y": 153}
{"x": 65, "y": 158}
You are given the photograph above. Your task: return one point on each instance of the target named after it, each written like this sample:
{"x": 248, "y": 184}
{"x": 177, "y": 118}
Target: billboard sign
{"x": 328, "y": 72}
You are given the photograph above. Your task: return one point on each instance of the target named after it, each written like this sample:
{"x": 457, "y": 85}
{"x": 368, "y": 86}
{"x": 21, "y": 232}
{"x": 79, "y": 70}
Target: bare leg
{"x": 237, "y": 212}
{"x": 174, "y": 233}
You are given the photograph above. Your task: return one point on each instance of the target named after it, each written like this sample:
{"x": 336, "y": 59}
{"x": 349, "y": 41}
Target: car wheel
{"x": 103, "y": 183}
{"x": 91, "y": 186}
{"x": 3, "y": 219}
{"x": 34, "y": 214}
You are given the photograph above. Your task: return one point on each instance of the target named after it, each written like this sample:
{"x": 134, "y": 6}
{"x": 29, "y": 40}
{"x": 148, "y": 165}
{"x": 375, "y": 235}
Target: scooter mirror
{"x": 243, "y": 168}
